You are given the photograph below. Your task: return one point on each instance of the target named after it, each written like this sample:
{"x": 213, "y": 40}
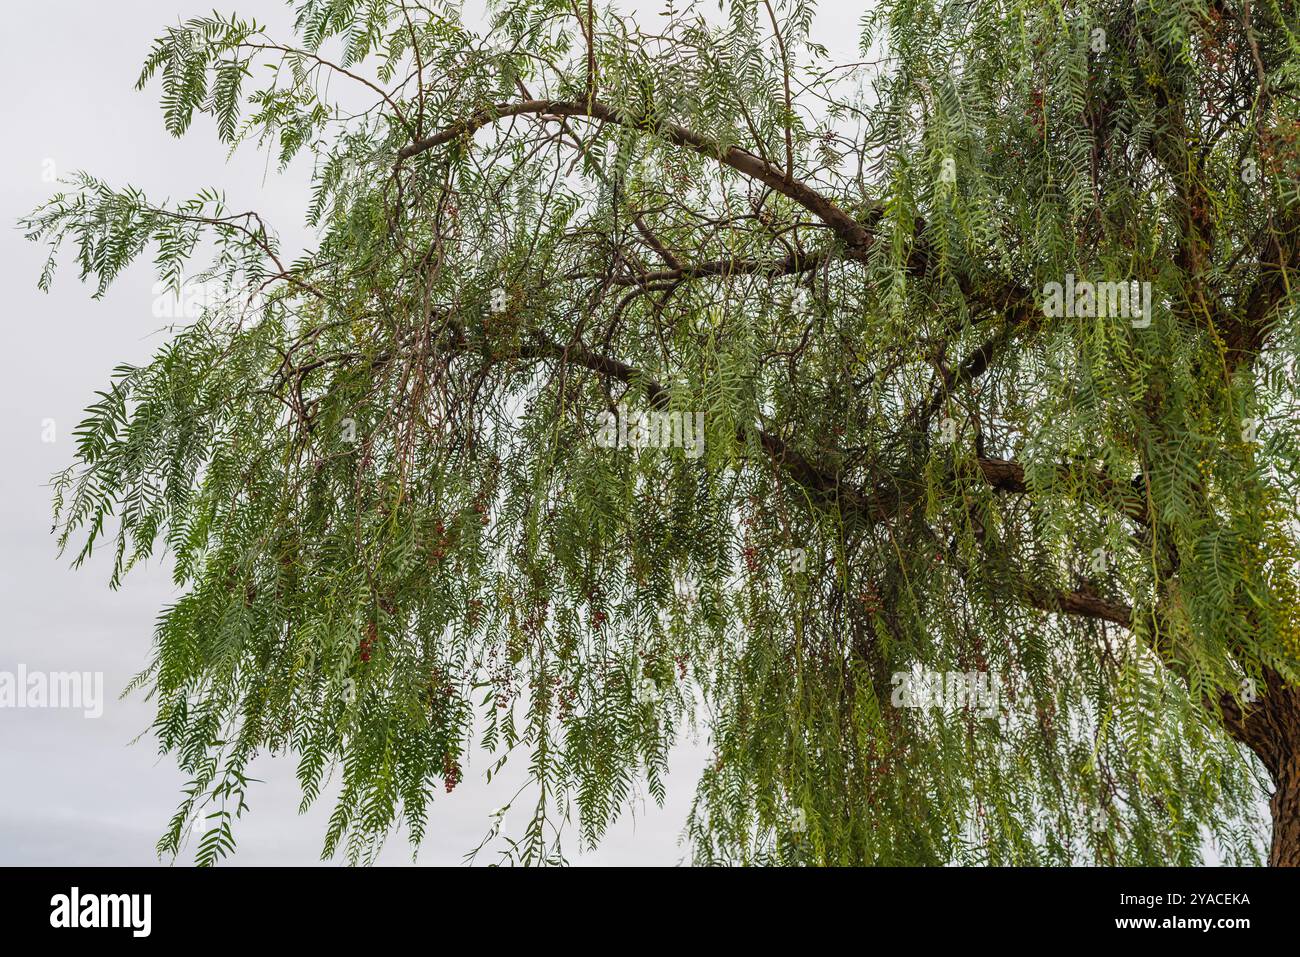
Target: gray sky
{"x": 74, "y": 790}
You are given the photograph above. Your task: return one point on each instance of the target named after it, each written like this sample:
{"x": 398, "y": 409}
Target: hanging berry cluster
{"x": 450, "y": 772}
{"x": 368, "y": 643}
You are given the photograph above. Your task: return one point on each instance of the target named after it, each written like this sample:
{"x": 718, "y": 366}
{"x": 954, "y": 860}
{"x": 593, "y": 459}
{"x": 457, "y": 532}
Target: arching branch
{"x": 857, "y": 237}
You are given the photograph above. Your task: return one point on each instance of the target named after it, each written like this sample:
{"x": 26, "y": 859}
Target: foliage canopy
{"x": 375, "y": 469}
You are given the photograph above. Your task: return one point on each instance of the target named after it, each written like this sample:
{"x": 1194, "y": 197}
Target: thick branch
{"x": 854, "y": 235}
{"x": 824, "y": 485}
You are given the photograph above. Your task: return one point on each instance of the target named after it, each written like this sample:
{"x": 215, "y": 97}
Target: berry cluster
{"x": 368, "y": 642}
{"x": 450, "y": 772}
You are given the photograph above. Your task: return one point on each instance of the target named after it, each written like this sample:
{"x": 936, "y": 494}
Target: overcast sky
{"x": 74, "y": 790}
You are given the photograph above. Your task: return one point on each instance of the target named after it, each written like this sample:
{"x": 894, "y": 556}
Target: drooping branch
{"x": 856, "y": 237}
{"x": 1082, "y": 602}
{"x": 791, "y": 265}
{"x": 824, "y": 485}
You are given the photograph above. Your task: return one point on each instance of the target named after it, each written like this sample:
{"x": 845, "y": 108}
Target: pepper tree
{"x": 374, "y": 468}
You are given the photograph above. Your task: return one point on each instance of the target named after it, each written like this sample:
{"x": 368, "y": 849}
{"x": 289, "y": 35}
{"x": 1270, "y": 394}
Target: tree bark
{"x": 1271, "y": 728}
{"x": 1280, "y": 721}
{"x": 1285, "y": 808}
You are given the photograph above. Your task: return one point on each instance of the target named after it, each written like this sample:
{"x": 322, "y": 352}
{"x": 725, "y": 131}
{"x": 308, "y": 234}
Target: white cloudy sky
{"x": 77, "y": 791}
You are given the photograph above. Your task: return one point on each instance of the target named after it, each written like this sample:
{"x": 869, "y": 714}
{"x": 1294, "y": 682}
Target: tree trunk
{"x": 1271, "y": 728}
{"x": 1280, "y": 721}
{"x": 1285, "y": 808}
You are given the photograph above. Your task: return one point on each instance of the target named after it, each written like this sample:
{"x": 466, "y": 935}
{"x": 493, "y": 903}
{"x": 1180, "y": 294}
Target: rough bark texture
{"x": 1281, "y": 724}
{"x": 1271, "y": 728}
{"x": 1285, "y": 808}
